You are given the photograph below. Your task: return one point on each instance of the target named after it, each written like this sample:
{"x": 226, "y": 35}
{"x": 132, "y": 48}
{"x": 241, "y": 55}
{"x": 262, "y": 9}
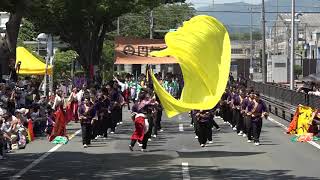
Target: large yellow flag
{"x": 203, "y": 51}
{"x": 304, "y": 120}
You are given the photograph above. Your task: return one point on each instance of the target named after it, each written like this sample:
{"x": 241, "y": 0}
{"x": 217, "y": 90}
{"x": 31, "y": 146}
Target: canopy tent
{"x": 136, "y": 51}
{"x": 29, "y": 64}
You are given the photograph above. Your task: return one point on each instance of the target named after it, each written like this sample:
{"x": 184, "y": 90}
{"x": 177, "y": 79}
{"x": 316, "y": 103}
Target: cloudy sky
{"x": 208, "y": 2}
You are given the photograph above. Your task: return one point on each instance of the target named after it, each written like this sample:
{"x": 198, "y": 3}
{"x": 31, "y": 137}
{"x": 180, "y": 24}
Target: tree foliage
{"x": 84, "y": 23}
{"x": 63, "y": 63}
{"x": 166, "y": 16}
{"x": 27, "y": 31}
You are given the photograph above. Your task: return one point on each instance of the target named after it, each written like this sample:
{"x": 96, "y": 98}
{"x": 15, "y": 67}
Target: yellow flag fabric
{"x": 304, "y": 120}
{"x": 202, "y": 49}
{"x": 30, "y": 64}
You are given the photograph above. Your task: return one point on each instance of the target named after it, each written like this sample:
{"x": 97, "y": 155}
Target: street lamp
{"x": 42, "y": 37}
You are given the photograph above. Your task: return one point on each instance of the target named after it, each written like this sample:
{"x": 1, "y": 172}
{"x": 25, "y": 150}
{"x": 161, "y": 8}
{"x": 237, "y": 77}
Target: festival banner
{"x": 137, "y": 51}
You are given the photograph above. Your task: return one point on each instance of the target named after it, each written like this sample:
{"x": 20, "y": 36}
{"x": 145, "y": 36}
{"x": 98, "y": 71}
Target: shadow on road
{"x": 211, "y": 154}
{"x": 135, "y": 165}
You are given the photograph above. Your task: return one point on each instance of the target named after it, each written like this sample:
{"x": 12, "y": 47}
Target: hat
{"x": 2, "y": 112}
{"x": 22, "y": 111}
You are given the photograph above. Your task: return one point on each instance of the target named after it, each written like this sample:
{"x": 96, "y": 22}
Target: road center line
{"x": 37, "y": 161}
{"x": 284, "y": 127}
{"x": 180, "y": 127}
{"x": 185, "y": 171}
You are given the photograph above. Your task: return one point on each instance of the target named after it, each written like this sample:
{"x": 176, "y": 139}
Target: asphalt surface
{"x": 229, "y": 157}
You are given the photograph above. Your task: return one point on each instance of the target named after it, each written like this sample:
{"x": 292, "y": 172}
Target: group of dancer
{"x": 243, "y": 110}
{"x": 97, "y": 110}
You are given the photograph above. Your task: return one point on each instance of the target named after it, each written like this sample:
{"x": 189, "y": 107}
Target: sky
{"x": 198, "y": 3}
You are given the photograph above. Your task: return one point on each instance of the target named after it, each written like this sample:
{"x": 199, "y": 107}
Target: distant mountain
{"x": 240, "y": 22}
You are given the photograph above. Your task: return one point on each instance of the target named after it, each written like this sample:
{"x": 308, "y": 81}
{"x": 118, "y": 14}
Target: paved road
{"x": 173, "y": 154}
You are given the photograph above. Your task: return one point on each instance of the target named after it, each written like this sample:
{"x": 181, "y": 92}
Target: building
{"x": 4, "y": 18}
{"x": 240, "y": 62}
{"x": 307, "y": 46}
{"x": 240, "y": 58}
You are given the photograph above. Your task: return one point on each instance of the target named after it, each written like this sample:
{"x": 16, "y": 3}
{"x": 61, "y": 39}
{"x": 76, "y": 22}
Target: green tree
{"x": 62, "y": 64}
{"x": 17, "y": 9}
{"x": 171, "y": 16}
{"x": 27, "y": 32}
{"x": 84, "y": 23}
{"x": 107, "y": 60}
{"x": 297, "y": 70}
{"x": 166, "y": 16}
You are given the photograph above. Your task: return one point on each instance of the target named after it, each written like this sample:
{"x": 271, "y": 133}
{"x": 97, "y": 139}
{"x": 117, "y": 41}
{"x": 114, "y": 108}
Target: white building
{"x": 307, "y": 44}
{"x": 4, "y": 18}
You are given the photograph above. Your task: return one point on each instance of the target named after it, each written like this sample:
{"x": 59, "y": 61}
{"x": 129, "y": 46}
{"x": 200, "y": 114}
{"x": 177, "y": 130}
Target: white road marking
{"x": 185, "y": 171}
{"x": 180, "y": 117}
{"x": 278, "y": 123}
{"x": 37, "y": 161}
{"x": 284, "y": 127}
{"x": 180, "y": 127}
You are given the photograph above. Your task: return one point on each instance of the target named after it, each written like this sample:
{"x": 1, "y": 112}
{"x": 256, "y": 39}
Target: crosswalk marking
{"x": 180, "y": 127}
{"x": 185, "y": 171}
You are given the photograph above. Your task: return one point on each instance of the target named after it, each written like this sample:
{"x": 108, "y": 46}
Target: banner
{"x": 137, "y": 51}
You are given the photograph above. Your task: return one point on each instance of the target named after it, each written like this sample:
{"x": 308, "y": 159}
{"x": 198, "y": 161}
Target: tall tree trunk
{"x": 8, "y": 43}
{"x": 91, "y": 51}
{"x": 12, "y": 31}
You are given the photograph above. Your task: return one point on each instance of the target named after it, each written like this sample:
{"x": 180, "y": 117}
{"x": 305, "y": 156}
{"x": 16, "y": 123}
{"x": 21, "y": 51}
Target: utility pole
{"x": 251, "y": 47}
{"x": 151, "y": 24}
{"x": 264, "y": 62}
{"x": 48, "y": 60}
{"x": 292, "y": 44}
{"x": 276, "y": 30}
{"x": 212, "y": 7}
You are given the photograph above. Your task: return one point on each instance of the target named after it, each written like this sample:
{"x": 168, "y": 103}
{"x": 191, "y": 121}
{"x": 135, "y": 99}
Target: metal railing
{"x": 285, "y": 95}
{"x": 283, "y": 101}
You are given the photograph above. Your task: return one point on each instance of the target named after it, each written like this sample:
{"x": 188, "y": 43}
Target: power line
{"x": 257, "y": 12}
{"x": 253, "y": 5}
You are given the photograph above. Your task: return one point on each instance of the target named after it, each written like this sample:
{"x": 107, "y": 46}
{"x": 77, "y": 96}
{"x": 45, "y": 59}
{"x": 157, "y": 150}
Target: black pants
{"x": 214, "y": 123}
{"x": 249, "y": 127}
{"x": 97, "y": 127}
{"x": 224, "y": 112}
{"x": 86, "y": 133}
{"x": 159, "y": 117}
{"x": 204, "y": 132}
{"x": 2, "y": 144}
{"x": 115, "y": 116}
{"x": 211, "y": 124}
{"x": 145, "y": 139}
{"x": 120, "y": 114}
{"x": 256, "y": 128}
{"x": 144, "y": 143}
{"x": 106, "y": 124}
{"x": 155, "y": 127}
{"x": 245, "y": 122}
{"x": 239, "y": 122}
{"x": 235, "y": 117}
{"x": 196, "y": 127}
{"x": 229, "y": 115}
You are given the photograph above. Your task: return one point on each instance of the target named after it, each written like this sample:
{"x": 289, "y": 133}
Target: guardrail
{"x": 283, "y": 101}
